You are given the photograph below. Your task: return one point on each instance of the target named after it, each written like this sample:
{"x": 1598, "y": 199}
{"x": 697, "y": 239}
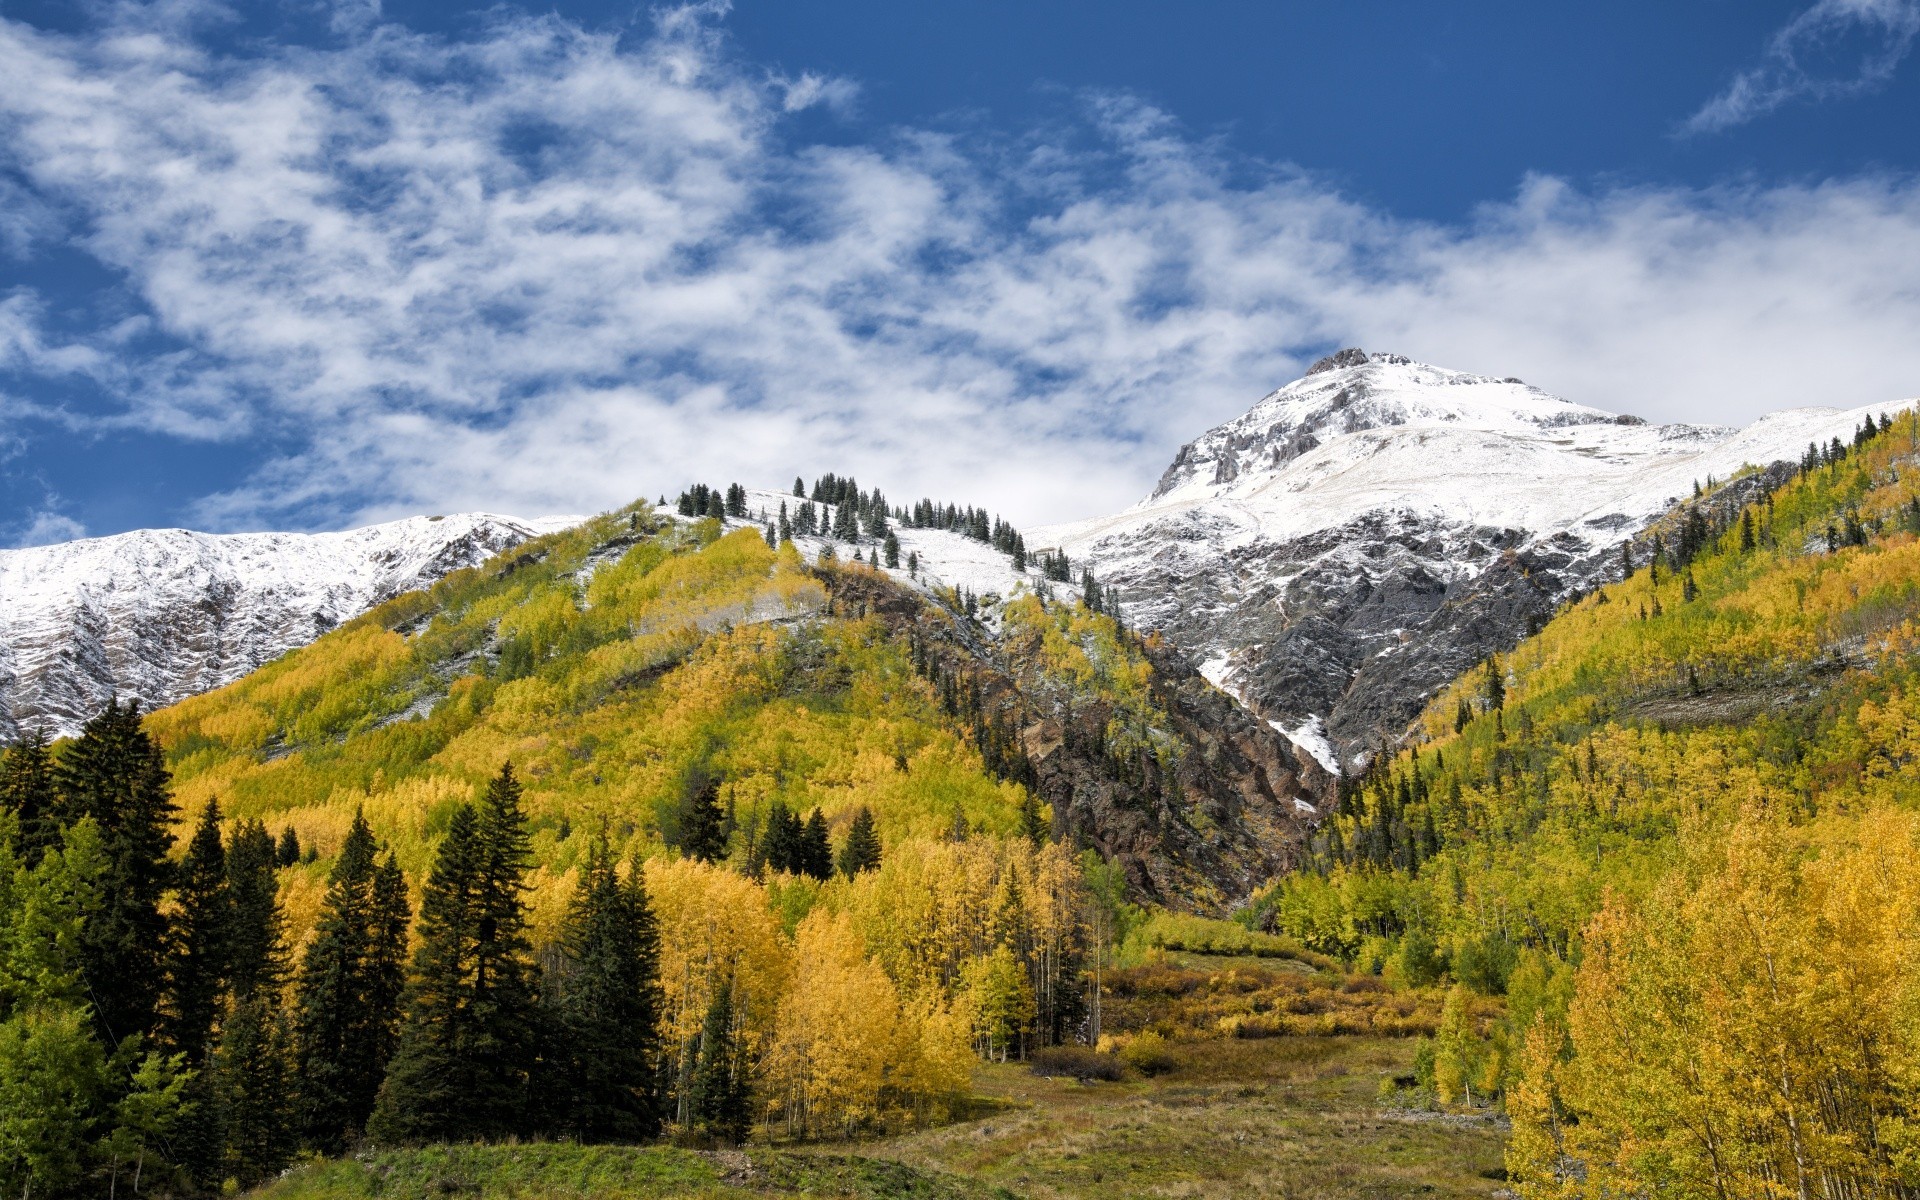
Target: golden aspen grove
{"x": 1676, "y": 833}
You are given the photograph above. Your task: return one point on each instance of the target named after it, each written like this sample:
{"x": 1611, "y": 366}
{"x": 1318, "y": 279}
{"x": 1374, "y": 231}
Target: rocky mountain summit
{"x": 161, "y": 614}
{"x": 1363, "y": 535}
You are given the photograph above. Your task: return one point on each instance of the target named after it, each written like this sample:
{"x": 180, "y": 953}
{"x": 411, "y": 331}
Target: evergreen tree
{"x": 716, "y": 506}
{"x": 1746, "y": 531}
{"x": 1495, "y": 689}
{"x": 816, "y": 848}
{"x": 780, "y": 845}
{"x": 467, "y": 1046}
{"x": 786, "y": 524}
{"x": 799, "y": 487}
{"x": 114, "y": 775}
{"x": 197, "y": 958}
{"x": 861, "y": 852}
{"x": 701, "y": 827}
{"x": 289, "y": 850}
{"x": 26, "y": 791}
{"x": 254, "y": 1080}
{"x": 1033, "y": 822}
{"x": 719, "y": 1093}
{"x": 608, "y": 999}
{"x": 347, "y": 1004}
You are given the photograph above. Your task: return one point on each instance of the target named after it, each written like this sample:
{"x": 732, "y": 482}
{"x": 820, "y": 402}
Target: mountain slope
{"x": 1364, "y": 535}
{"x": 1680, "y": 829}
{"x": 162, "y": 614}
{"x": 623, "y": 662}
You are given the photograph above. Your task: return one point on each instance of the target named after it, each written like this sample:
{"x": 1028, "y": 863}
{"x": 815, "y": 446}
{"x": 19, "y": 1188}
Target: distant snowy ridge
{"x": 1363, "y": 534}
{"x": 162, "y": 614}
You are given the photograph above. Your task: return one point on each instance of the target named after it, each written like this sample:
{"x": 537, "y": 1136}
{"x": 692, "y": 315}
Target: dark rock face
{"x": 1232, "y": 812}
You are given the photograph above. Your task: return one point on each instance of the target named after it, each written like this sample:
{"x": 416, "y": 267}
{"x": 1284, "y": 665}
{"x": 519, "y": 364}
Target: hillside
{"x": 162, "y": 614}
{"x": 1676, "y": 829}
{"x": 624, "y": 662}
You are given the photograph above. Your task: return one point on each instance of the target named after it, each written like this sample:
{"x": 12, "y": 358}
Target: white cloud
{"x": 544, "y": 270}
{"x": 1833, "y": 49}
{"x": 44, "y": 527}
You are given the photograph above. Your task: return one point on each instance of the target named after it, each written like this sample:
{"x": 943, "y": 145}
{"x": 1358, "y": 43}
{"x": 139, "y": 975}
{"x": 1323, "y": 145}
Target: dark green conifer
{"x": 27, "y": 791}
{"x": 719, "y": 1094}
{"x": 607, "y": 990}
{"x": 254, "y": 1069}
{"x": 701, "y": 832}
{"x": 347, "y": 1004}
{"x": 861, "y": 851}
{"x": 115, "y": 774}
{"x": 288, "y": 852}
{"x": 780, "y": 844}
{"x": 816, "y": 848}
{"x": 197, "y": 959}
{"x": 1033, "y": 822}
{"x": 892, "y": 550}
{"x": 467, "y": 1045}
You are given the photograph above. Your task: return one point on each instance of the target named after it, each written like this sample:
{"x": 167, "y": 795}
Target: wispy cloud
{"x": 1834, "y": 49}
{"x": 543, "y": 269}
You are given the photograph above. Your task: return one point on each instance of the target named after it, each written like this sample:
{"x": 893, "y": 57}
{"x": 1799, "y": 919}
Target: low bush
{"x": 1078, "y": 1062}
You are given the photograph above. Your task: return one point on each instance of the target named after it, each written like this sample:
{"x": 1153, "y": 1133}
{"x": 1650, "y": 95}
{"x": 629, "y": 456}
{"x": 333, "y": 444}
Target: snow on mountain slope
{"x": 161, "y": 614}
{"x": 1367, "y": 532}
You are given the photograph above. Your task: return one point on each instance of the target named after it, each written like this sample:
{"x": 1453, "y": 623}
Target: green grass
{"x": 1293, "y": 1117}
{"x": 1280, "y": 1117}
{"x": 557, "y": 1171}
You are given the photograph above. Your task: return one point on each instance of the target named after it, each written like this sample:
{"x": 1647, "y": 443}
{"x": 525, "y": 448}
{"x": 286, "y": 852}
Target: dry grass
{"x": 1282, "y": 1117}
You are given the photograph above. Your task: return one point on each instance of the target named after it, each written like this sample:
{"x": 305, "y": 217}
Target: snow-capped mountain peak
{"x": 1361, "y": 535}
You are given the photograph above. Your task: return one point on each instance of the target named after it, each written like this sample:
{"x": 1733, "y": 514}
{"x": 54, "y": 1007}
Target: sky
{"x": 307, "y": 264}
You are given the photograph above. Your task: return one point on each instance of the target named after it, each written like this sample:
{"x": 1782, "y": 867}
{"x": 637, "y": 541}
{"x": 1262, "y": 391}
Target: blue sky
{"x": 305, "y": 264}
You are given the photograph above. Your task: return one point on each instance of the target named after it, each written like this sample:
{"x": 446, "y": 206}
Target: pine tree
{"x": 114, "y": 774}
{"x": 816, "y": 848}
{"x": 1033, "y": 822}
{"x": 27, "y": 792}
{"x": 861, "y": 852}
{"x": 288, "y": 852}
{"x": 1746, "y": 531}
{"x": 780, "y": 845}
{"x": 799, "y": 487}
{"x": 608, "y": 1000}
{"x": 1496, "y": 685}
{"x": 347, "y": 1005}
{"x": 253, "y": 1073}
{"x": 892, "y": 549}
{"x": 719, "y": 1093}
{"x": 197, "y": 959}
{"x": 701, "y": 832}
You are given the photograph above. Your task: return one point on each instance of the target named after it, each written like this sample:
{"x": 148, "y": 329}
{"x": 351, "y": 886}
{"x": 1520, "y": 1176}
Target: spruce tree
{"x": 719, "y": 1095}
{"x": 289, "y": 849}
{"x": 780, "y": 845}
{"x": 346, "y": 1008}
{"x": 26, "y": 791}
{"x": 608, "y": 999}
{"x": 816, "y": 848}
{"x": 467, "y": 1047}
{"x": 861, "y": 852}
{"x": 701, "y": 832}
{"x": 1033, "y": 823}
{"x": 114, "y": 774}
{"x": 196, "y": 969}
{"x": 253, "y": 1073}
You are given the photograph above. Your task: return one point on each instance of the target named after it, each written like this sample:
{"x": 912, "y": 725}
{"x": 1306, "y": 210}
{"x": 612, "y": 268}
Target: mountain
{"x": 1366, "y": 534}
{"x": 162, "y": 614}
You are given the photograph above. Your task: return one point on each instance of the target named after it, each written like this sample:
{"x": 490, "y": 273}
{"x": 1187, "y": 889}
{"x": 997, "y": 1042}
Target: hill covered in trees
{"x": 1676, "y": 831}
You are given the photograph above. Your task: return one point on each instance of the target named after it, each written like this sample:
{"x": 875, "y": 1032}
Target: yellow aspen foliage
{"x": 1747, "y": 1028}
{"x": 715, "y": 921}
{"x": 1001, "y": 998}
{"x": 838, "y": 1038}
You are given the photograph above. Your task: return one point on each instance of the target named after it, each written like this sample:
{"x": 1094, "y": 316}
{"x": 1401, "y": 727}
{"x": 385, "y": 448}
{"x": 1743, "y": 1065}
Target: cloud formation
{"x": 544, "y": 269}
{"x": 1834, "y": 49}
